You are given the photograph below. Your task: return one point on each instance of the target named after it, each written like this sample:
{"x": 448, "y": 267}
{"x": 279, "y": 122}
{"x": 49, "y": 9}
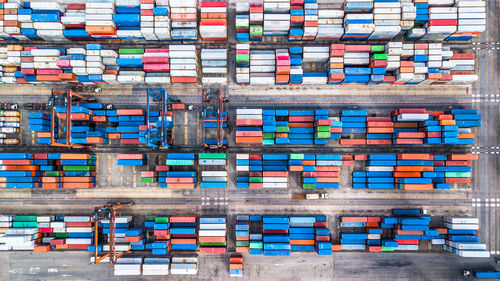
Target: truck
{"x": 481, "y": 273}
{"x": 316, "y": 196}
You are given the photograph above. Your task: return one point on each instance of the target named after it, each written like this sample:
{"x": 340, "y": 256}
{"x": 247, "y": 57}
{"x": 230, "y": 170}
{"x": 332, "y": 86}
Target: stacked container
{"x": 128, "y": 20}
{"x": 326, "y": 173}
{"x": 256, "y": 20}
{"x": 262, "y": 67}
{"x": 175, "y": 176}
{"x": 214, "y": 66}
{"x": 159, "y": 240}
{"x": 148, "y": 20}
{"x": 183, "y": 14}
{"x": 10, "y": 127}
{"x": 379, "y": 130}
{"x": 236, "y": 266}
{"x": 442, "y": 23}
{"x": 471, "y": 20}
{"x": 74, "y": 22}
{"x": 46, "y": 19}
{"x": 156, "y": 65}
{"x": 276, "y": 17}
{"x": 99, "y": 19}
{"x": 302, "y": 233}
{"x": 155, "y": 266}
{"x": 212, "y": 234}
{"x": 330, "y": 24}
{"x": 282, "y": 67}
{"x": 408, "y": 15}
{"x": 183, "y": 233}
{"x": 183, "y": 64}
{"x": 358, "y": 22}
{"x": 296, "y": 20}
{"x": 242, "y": 234}
{"x": 462, "y": 238}
{"x": 276, "y": 236}
{"x": 131, "y": 159}
{"x": 242, "y": 21}
{"x": 296, "y": 71}
{"x": 335, "y": 65}
{"x": 128, "y": 265}
{"x": 386, "y": 17}
{"x": 213, "y": 174}
{"x": 213, "y": 23}
{"x": 353, "y": 123}
{"x": 242, "y": 63}
{"x": 310, "y": 20}
{"x": 162, "y": 20}
{"x": 249, "y": 126}
{"x": 313, "y": 54}
{"x": 185, "y": 265}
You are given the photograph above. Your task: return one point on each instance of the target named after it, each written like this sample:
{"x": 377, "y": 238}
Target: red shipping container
{"x": 157, "y": 67}
{"x": 379, "y": 119}
{"x": 212, "y": 250}
{"x": 412, "y": 110}
{"x": 129, "y": 141}
{"x": 78, "y": 246}
{"x": 255, "y": 174}
{"x": 320, "y": 224}
{"x": 255, "y": 185}
{"x": 458, "y": 157}
{"x": 354, "y": 219}
{"x": 352, "y": 141}
{"x": 249, "y": 133}
{"x": 415, "y": 157}
{"x": 407, "y": 241}
{"x": 301, "y": 119}
{"x": 373, "y": 219}
{"x": 433, "y": 134}
{"x": 275, "y": 174}
{"x": 120, "y": 112}
{"x": 236, "y": 259}
{"x": 434, "y": 22}
{"x": 255, "y": 157}
{"x": 375, "y": 249}
{"x": 54, "y": 242}
{"x": 379, "y": 124}
{"x": 78, "y": 224}
{"x": 324, "y": 122}
{"x": 347, "y": 163}
{"x": 178, "y": 106}
{"x": 183, "y": 219}
{"x": 183, "y": 80}
{"x": 457, "y": 56}
{"x": 458, "y": 163}
{"x": 458, "y": 180}
{"x": 275, "y": 231}
{"x": 335, "y": 129}
{"x": 161, "y": 232}
{"x": 327, "y": 169}
{"x": 409, "y": 141}
{"x": 357, "y": 48}
{"x": 160, "y": 168}
{"x": 378, "y": 142}
{"x": 130, "y": 156}
{"x": 251, "y": 122}
{"x": 323, "y": 238}
{"x": 360, "y": 157}
{"x": 148, "y": 174}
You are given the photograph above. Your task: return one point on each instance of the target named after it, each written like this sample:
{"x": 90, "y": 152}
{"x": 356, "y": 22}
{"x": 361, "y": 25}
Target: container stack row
{"x": 397, "y": 63}
{"x": 236, "y": 265}
{"x": 213, "y": 23}
{"x": 131, "y": 159}
{"x": 47, "y": 171}
{"x": 92, "y": 124}
{"x": 321, "y": 171}
{"x": 242, "y": 234}
{"x": 158, "y": 235}
{"x": 10, "y": 126}
{"x": 298, "y": 20}
{"x": 256, "y": 171}
{"x": 183, "y": 233}
{"x": 404, "y": 231}
{"x": 462, "y": 238}
{"x": 414, "y": 171}
{"x": 179, "y": 172}
{"x": 156, "y": 266}
{"x": 214, "y": 66}
{"x": 213, "y": 170}
{"x": 212, "y": 234}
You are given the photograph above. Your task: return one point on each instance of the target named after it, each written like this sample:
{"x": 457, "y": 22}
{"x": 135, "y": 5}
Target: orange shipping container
{"x": 47, "y": 185}
{"x": 181, "y": 185}
{"x": 415, "y": 157}
{"x": 409, "y": 168}
{"x": 44, "y": 134}
{"x": 242, "y": 249}
{"x": 76, "y": 179}
{"x": 459, "y": 157}
{"x": 41, "y": 248}
{"x": 114, "y": 136}
{"x": 183, "y": 241}
{"x": 328, "y": 179}
{"x": 100, "y": 30}
{"x": 237, "y": 259}
{"x": 354, "y": 219}
{"x": 249, "y": 140}
{"x": 212, "y": 239}
{"x": 447, "y": 123}
{"x": 235, "y": 266}
{"x": 406, "y": 174}
{"x": 302, "y": 241}
{"x": 372, "y": 224}
{"x": 418, "y": 186}
{"x": 336, "y": 247}
{"x": 77, "y": 185}
{"x": 466, "y": 135}
{"x": 405, "y": 125}
{"x": 296, "y": 168}
{"x": 76, "y": 156}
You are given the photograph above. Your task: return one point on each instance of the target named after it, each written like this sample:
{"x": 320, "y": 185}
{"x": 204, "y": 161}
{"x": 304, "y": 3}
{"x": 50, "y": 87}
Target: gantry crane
{"x": 157, "y": 136}
{"x": 67, "y": 99}
{"x": 213, "y": 111}
{"x": 107, "y": 212}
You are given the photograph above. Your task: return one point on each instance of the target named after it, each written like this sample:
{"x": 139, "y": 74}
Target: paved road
{"x": 300, "y": 266}
{"x": 486, "y": 98}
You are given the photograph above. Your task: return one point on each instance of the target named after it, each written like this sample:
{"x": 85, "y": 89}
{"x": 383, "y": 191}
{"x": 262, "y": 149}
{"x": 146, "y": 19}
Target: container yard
{"x": 252, "y": 140}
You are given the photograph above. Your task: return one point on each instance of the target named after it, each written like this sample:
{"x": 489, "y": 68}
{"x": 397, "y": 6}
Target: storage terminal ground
{"x": 121, "y": 183}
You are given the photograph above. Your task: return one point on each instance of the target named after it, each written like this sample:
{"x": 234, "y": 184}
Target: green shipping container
{"x": 309, "y": 186}
{"x": 131, "y": 51}
{"x": 180, "y": 162}
{"x": 150, "y": 218}
{"x": 148, "y": 180}
{"x": 387, "y": 249}
{"x": 242, "y": 57}
{"x": 282, "y": 129}
{"x": 242, "y": 243}
{"x": 256, "y": 30}
{"x": 255, "y": 179}
{"x": 379, "y": 56}
{"x": 24, "y": 218}
{"x": 296, "y": 156}
{"x": 62, "y": 235}
{"x": 377, "y": 49}
{"x": 323, "y": 128}
{"x": 53, "y": 173}
{"x": 162, "y": 219}
{"x": 213, "y": 244}
{"x": 212, "y": 156}
{"x": 26, "y": 224}
{"x": 323, "y": 135}
{"x": 268, "y": 135}
{"x": 79, "y": 168}
{"x": 256, "y": 245}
